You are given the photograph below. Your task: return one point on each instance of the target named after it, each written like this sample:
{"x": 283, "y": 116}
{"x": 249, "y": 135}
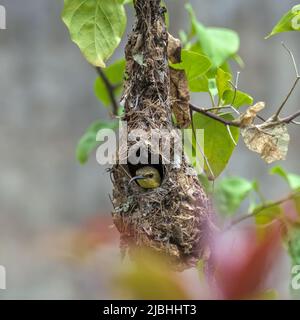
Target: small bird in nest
{"x": 147, "y": 177}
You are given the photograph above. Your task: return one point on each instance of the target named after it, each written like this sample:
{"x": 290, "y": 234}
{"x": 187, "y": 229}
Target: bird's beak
{"x": 136, "y": 178}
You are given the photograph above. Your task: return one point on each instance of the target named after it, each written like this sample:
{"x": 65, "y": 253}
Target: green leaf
{"x": 212, "y": 85}
{"x": 88, "y": 141}
{"x": 222, "y": 79}
{"x": 217, "y": 43}
{"x": 200, "y": 84}
{"x": 220, "y": 45}
{"x": 115, "y": 75}
{"x": 293, "y": 180}
{"x": 194, "y": 64}
{"x": 231, "y": 192}
{"x": 296, "y": 199}
{"x": 289, "y": 22}
{"x": 267, "y": 213}
{"x": 240, "y": 99}
{"x": 253, "y": 197}
{"x": 218, "y": 146}
{"x": 96, "y": 26}
{"x": 238, "y": 59}
{"x": 206, "y": 184}
{"x": 226, "y": 67}
{"x": 195, "y": 47}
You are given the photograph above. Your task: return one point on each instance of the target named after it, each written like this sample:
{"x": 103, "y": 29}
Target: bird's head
{"x": 147, "y": 177}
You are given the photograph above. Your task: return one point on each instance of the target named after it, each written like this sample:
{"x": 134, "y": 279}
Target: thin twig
{"x": 212, "y": 98}
{"x": 294, "y": 85}
{"x": 213, "y": 116}
{"x": 260, "y": 118}
{"x": 231, "y": 136}
{"x": 206, "y": 112}
{"x": 217, "y": 108}
{"x": 287, "y": 97}
{"x": 291, "y": 118}
{"x": 263, "y": 207}
{"x": 227, "y": 107}
{"x": 110, "y": 89}
{"x": 295, "y": 122}
{"x": 293, "y": 59}
{"x": 235, "y": 86}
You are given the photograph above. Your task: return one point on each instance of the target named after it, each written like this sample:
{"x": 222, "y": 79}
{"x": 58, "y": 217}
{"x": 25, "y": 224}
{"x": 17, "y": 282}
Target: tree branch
{"x": 294, "y": 85}
{"x": 291, "y": 118}
{"x": 267, "y": 206}
{"x": 110, "y": 89}
{"x": 235, "y": 87}
{"x": 287, "y": 97}
{"x": 213, "y": 116}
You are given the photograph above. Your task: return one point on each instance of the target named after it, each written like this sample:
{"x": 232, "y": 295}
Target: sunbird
{"x": 147, "y": 177}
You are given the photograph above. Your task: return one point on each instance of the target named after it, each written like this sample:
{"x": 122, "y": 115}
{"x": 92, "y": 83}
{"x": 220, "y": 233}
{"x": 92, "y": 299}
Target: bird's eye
{"x": 151, "y": 175}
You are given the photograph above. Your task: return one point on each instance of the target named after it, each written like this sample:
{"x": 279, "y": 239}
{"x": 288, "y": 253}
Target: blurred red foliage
{"x": 242, "y": 258}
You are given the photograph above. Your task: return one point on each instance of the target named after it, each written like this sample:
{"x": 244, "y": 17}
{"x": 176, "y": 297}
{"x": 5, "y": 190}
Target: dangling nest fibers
{"x": 174, "y": 218}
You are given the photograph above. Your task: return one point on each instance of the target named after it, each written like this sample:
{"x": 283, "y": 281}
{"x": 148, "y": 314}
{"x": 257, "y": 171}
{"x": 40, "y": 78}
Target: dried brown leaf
{"x": 174, "y": 49}
{"x": 248, "y": 117}
{"x": 270, "y": 140}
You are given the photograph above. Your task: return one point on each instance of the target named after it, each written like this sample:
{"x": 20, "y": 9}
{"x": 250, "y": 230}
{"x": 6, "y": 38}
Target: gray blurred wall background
{"x": 47, "y": 101}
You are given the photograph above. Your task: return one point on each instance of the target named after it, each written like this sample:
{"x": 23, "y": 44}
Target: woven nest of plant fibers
{"x": 174, "y": 218}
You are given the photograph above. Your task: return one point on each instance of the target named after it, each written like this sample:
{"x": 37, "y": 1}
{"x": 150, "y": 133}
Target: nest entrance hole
{"x": 132, "y": 168}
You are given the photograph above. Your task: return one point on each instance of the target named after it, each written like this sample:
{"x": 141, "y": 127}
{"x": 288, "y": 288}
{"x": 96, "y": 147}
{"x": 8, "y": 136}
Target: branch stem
{"x": 287, "y": 97}
{"x": 295, "y": 83}
{"x": 291, "y": 118}
{"x": 110, "y": 89}
{"x": 263, "y": 207}
{"x": 213, "y": 116}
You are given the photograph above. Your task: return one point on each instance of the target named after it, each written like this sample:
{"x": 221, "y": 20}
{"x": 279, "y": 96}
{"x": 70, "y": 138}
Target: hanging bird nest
{"x": 173, "y": 219}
